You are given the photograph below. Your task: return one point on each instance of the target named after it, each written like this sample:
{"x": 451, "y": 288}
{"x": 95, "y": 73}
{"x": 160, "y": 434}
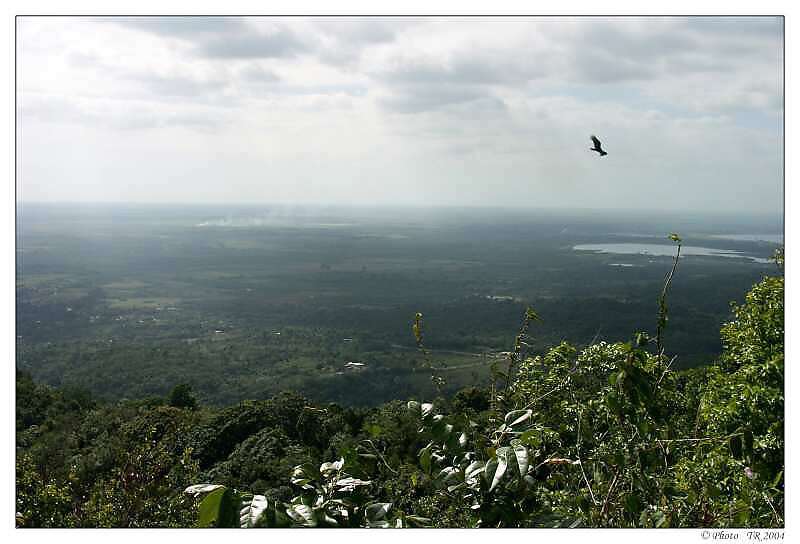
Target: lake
{"x": 663, "y": 250}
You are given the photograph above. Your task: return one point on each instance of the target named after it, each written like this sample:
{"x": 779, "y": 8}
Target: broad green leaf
{"x": 776, "y": 482}
{"x": 332, "y": 466}
{"x": 367, "y": 455}
{"x": 425, "y": 458}
{"x": 252, "y": 510}
{"x": 201, "y": 489}
{"x": 521, "y": 453}
{"x": 349, "y": 484}
{"x": 502, "y": 466}
{"x": 219, "y": 509}
{"x": 417, "y": 521}
{"x": 440, "y": 429}
{"x": 490, "y": 470}
{"x": 303, "y": 514}
{"x": 516, "y": 417}
{"x": 377, "y": 510}
{"x": 450, "y": 474}
{"x": 474, "y": 468}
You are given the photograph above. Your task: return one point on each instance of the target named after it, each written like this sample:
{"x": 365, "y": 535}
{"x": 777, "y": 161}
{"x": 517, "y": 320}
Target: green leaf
{"x": 417, "y": 521}
{"x": 502, "y": 466}
{"x": 377, "y": 510}
{"x": 331, "y": 466}
{"x": 441, "y": 430}
{"x": 426, "y": 410}
{"x": 776, "y": 482}
{"x": 201, "y": 489}
{"x": 521, "y": 453}
{"x": 515, "y": 417}
{"x": 425, "y": 458}
{"x": 349, "y": 483}
{"x": 302, "y": 514}
{"x": 209, "y": 507}
{"x": 474, "y": 468}
{"x": 490, "y": 470}
{"x": 251, "y": 511}
{"x": 219, "y": 509}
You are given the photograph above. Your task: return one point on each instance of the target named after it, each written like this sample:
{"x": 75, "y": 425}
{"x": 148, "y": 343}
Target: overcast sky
{"x": 455, "y": 111}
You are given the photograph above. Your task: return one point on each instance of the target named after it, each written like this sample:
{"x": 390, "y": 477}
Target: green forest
{"x": 604, "y": 434}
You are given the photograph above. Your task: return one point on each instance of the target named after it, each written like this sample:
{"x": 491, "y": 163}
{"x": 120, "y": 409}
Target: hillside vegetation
{"x": 607, "y": 435}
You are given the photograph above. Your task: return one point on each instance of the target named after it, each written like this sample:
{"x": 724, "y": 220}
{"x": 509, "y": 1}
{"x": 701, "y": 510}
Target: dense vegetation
{"x": 127, "y": 302}
{"x": 606, "y": 435}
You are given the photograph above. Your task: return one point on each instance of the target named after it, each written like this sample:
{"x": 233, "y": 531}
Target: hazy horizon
{"x": 265, "y": 215}
{"x": 486, "y": 112}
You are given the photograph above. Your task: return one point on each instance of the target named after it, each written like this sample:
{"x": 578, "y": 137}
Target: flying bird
{"x": 597, "y": 147}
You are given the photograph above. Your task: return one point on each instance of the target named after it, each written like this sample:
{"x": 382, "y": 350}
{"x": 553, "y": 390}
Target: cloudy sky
{"x": 454, "y": 111}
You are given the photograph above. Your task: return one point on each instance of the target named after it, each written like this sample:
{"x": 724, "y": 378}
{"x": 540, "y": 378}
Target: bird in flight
{"x": 597, "y": 147}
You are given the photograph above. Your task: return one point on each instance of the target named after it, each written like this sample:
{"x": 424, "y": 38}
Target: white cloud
{"x": 471, "y": 111}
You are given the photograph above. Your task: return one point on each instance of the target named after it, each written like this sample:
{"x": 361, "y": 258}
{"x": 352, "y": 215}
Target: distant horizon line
{"x": 20, "y": 203}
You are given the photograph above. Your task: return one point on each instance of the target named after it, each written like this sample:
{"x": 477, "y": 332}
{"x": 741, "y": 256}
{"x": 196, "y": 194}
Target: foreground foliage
{"x": 607, "y": 435}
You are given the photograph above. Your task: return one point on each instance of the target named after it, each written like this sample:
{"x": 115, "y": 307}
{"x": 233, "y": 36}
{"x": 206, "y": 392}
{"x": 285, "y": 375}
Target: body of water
{"x": 662, "y": 250}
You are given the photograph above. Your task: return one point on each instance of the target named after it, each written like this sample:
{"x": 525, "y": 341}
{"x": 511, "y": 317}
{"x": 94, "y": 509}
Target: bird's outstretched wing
{"x": 595, "y": 141}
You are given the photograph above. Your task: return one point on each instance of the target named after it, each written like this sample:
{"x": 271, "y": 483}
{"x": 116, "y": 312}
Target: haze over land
{"x": 452, "y": 111}
{"x": 127, "y": 301}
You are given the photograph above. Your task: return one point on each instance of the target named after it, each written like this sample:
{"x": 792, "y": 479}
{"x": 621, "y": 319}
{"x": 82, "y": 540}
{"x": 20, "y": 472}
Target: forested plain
{"x": 445, "y": 369}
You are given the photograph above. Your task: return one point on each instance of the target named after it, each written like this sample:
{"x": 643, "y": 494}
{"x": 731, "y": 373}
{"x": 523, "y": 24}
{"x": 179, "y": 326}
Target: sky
{"x": 436, "y": 111}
